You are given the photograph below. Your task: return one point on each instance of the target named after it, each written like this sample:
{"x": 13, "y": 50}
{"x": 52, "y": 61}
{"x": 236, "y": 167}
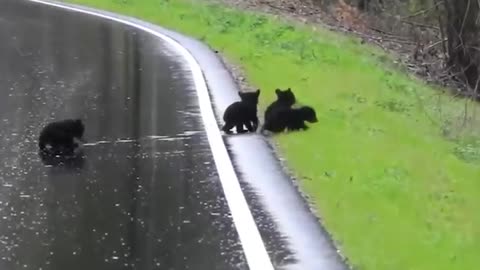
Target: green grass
{"x": 394, "y": 176}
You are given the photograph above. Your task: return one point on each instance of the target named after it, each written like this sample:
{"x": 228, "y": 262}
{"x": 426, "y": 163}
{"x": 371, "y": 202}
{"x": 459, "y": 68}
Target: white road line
{"x": 253, "y": 246}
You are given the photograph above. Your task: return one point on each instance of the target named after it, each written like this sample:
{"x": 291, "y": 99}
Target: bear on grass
{"x": 285, "y": 99}
{"x": 291, "y": 119}
{"x": 280, "y": 115}
{"x": 242, "y": 113}
{"x": 60, "y": 136}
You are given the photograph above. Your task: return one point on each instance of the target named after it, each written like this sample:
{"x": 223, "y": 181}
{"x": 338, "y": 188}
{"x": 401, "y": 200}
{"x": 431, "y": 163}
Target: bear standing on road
{"x": 242, "y": 113}
{"x": 60, "y": 136}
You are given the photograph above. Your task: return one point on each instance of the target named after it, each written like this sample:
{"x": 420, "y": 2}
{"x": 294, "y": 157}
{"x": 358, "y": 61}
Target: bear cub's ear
{"x": 258, "y": 92}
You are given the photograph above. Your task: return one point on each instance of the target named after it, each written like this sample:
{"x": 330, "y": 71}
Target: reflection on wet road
{"x": 146, "y": 195}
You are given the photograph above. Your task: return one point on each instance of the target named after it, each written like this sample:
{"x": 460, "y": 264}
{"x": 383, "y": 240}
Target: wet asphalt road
{"x": 146, "y": 195}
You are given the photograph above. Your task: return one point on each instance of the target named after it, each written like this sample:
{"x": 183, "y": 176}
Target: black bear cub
{"x": 243, "y": 112}
{"x": 290, "y": 119}
{"x": 61, "y": 135}
{"x": 285, "y": 99}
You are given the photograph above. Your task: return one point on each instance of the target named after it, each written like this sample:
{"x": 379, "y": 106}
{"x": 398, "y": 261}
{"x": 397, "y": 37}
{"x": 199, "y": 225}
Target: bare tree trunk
{"x": 364, "y": 5}
{"x": 462, "y": 31}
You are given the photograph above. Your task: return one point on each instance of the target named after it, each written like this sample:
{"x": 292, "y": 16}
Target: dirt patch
{"x": 305, "y": 11}
{"x": 422, "y": 60}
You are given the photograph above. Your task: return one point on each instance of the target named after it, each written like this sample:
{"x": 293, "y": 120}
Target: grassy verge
{"x": 396, "y": 181}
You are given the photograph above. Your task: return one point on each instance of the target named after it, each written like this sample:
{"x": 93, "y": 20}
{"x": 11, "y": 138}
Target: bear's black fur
{"x": 285, "y": 99}
{"x": 76, "y": 161}
{"x": 242, "y": 113}
{"x": 60, "y": 136}
{"x": 290, "y": 119}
